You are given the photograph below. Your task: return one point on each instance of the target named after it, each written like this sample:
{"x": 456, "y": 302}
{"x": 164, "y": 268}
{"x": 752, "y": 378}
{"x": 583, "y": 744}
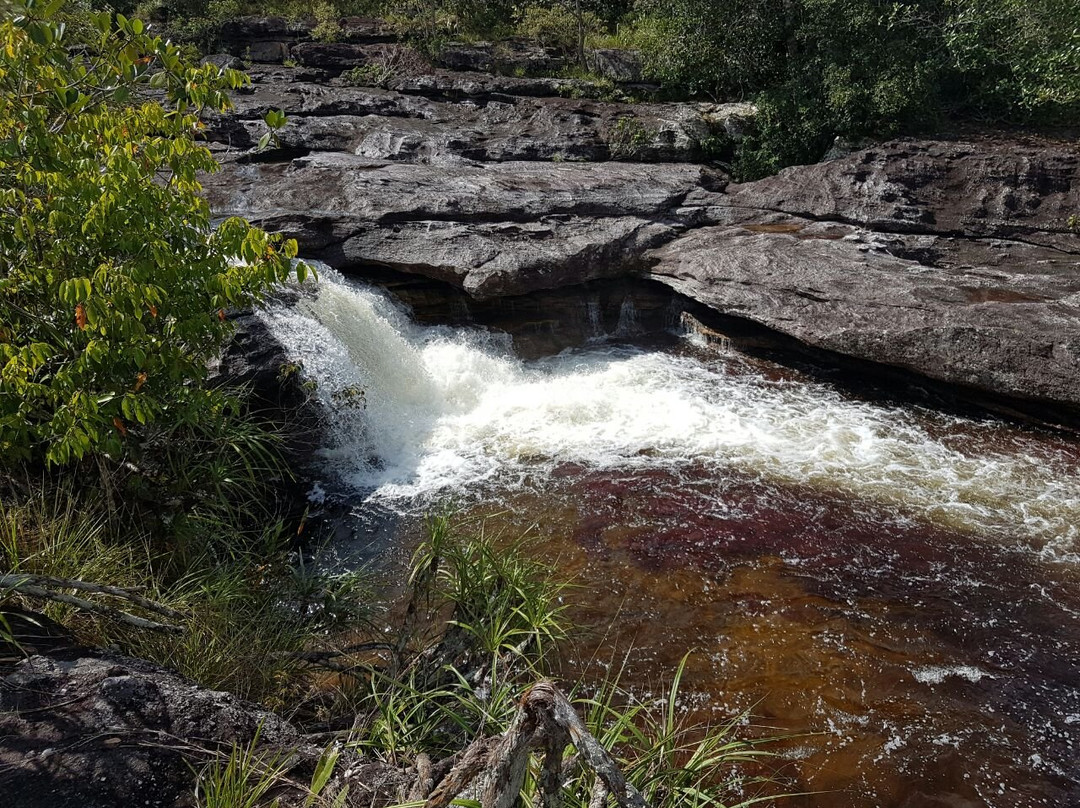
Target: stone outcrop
{"x": 1000, "y": 317}
{"x": 952, "y": 260}
{"x": 981, "y": 188}
{"x": 472, "y": 120}
{"x": 92, "y": 729}
{"x": 498, "y": 229}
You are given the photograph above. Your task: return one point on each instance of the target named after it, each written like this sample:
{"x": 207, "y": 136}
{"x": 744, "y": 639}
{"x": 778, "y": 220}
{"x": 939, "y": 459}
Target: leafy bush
{"x": 627, "y": 138}
{"x": 556, "y": 26}
{"x": 113, "y": 284}
{"x": 327, "y": 27}
{"x": 1017, "y": 56}
{"x": 822, "y": 68}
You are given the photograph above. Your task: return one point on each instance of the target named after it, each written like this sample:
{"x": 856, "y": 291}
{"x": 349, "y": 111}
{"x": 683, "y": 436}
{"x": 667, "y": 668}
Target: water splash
{"x": 448, "y": 409}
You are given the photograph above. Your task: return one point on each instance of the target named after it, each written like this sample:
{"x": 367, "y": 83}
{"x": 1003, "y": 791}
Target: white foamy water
{"x": 445, "y": 409}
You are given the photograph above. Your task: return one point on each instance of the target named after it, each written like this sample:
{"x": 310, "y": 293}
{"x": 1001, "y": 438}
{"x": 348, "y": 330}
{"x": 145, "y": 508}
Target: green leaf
{"x": 83, "y": 199}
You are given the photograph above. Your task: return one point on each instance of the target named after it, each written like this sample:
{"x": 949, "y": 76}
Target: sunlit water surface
{"x": 903, "y": 583}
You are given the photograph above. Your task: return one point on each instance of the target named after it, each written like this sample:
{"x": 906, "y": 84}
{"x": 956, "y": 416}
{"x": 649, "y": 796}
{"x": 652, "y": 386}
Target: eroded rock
{"x": 954, "y": 260}
{"x": 84, "y": 728}
{"x": 93, "y": 729}
{"x": 503, "y": 228}
{"x": 473, "y": 123}
{"x": 1007, "y": 324}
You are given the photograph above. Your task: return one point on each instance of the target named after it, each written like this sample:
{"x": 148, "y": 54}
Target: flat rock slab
{"x": 1008, "y": 324}
{"x": 471, "y": 124}
{"x": 981, "y": 188}
{"x": 493, "y": 229}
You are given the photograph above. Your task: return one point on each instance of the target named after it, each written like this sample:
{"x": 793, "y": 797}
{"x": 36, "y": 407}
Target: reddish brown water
{"x": 919, "y": 666}
{"x": 899, "y": 587}
{"x": 937, "y": 669}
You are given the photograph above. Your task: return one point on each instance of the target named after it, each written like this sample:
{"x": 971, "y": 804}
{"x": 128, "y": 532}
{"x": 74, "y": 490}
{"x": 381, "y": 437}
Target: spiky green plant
{"x": 242, "y": 779}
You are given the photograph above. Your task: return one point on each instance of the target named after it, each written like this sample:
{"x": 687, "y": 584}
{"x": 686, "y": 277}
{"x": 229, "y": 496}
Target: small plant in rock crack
{"x": 393, "y": 62}
{"x": 628, "y": 138}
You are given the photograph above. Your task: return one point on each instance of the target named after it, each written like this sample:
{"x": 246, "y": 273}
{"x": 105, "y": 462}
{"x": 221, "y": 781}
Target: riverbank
{"x": 753, "y": 415}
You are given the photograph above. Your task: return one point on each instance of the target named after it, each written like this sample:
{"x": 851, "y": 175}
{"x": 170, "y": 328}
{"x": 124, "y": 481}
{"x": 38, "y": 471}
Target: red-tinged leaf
{"x": 119, "y": 424}
{"x": 80, "y": 316}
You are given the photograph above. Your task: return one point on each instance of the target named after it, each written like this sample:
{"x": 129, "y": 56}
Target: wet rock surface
{"x": 954, "y": 260}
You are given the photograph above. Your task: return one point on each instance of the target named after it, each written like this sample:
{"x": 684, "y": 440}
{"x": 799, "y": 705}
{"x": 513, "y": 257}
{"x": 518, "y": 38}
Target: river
{"x": 898, "y": 586}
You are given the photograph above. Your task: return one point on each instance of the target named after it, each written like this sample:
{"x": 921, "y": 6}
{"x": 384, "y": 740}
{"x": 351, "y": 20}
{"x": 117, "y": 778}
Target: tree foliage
{"x": 113, "y": 283}
{"x": 822, "y": 68}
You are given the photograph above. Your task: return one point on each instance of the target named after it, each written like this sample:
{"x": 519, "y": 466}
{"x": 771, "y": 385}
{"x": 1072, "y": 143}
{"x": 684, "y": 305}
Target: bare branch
{"x": 98, "y": 589}
{"x": 472, "y": 762}
{"x": 21, "y": 585}
{"x": 425, "y": 779}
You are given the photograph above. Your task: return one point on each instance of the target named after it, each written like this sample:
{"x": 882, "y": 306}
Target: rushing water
{"x": 902, "y": 582}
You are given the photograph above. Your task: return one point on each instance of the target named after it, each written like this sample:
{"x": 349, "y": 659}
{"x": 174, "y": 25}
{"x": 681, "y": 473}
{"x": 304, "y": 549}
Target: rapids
{"x": 879, "y": 573}
{"x": 446, "y": 409}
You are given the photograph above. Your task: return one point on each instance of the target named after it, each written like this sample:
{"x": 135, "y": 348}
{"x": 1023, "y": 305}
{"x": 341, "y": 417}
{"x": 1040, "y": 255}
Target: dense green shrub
{"x": 822, "y": 68}
{"x": 721, "y": 48}
{"x": 556, "y": 26}
{"x": 113, "y": 284}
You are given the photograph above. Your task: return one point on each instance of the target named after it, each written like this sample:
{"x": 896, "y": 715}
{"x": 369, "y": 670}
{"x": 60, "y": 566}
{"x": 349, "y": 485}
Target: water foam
{"x": 445, "y": 409}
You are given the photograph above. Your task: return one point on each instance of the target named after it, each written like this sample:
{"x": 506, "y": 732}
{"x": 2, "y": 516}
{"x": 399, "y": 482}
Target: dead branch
{"x": 592, "y": 752}
{"x": 23, "y": 584}
{"x": 492, "y": 770}
{"x": 598, "y": 798}
{"x": 50, "y": 582}
{"x": 470, "y": 765}
{"x": 425, "y": 779}
{"x": 549, "y": 787}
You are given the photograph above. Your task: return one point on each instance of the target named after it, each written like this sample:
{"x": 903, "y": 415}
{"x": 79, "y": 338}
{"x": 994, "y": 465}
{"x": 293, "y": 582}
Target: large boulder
{"x": 88, "y": 728}
{"x": 954, "y": 260}
{"x": 997, "y": 316}
{"x": 984, "y": 187}
{"x": 617, "y": 64}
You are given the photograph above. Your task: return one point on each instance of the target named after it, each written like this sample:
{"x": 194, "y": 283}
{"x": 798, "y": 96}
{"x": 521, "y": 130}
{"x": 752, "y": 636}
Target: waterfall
{"x": 628, "y": 324}
{"x": 593, "y": 317}
{"x": 418, "y": 411}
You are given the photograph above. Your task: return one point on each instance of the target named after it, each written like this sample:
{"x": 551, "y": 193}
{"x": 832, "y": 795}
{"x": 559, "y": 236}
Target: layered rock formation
{"x": 952, "y": 260}
{"x": 86, "y": 728}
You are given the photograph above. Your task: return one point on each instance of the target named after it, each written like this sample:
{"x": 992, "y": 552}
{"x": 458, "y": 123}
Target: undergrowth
{"x": 196, "y": 529}
{"x": 484, "y": 621}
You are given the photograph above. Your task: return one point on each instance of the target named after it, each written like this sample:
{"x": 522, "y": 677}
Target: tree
{"x": 113, "y": 283}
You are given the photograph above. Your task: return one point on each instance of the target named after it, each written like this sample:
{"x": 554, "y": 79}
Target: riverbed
{"x": 897, "y": 586}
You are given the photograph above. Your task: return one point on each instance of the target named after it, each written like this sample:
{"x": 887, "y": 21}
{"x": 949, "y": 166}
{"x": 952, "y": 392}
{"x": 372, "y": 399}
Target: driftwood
{"x": 492, "y": 770}
{"x": 425, "y": 779}
{"x": 44, "y": 587}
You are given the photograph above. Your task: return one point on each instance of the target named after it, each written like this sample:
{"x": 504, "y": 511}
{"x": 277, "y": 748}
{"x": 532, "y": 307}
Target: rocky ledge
{"x": 953, "y": 261}
{"x": 84, "y": 728}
